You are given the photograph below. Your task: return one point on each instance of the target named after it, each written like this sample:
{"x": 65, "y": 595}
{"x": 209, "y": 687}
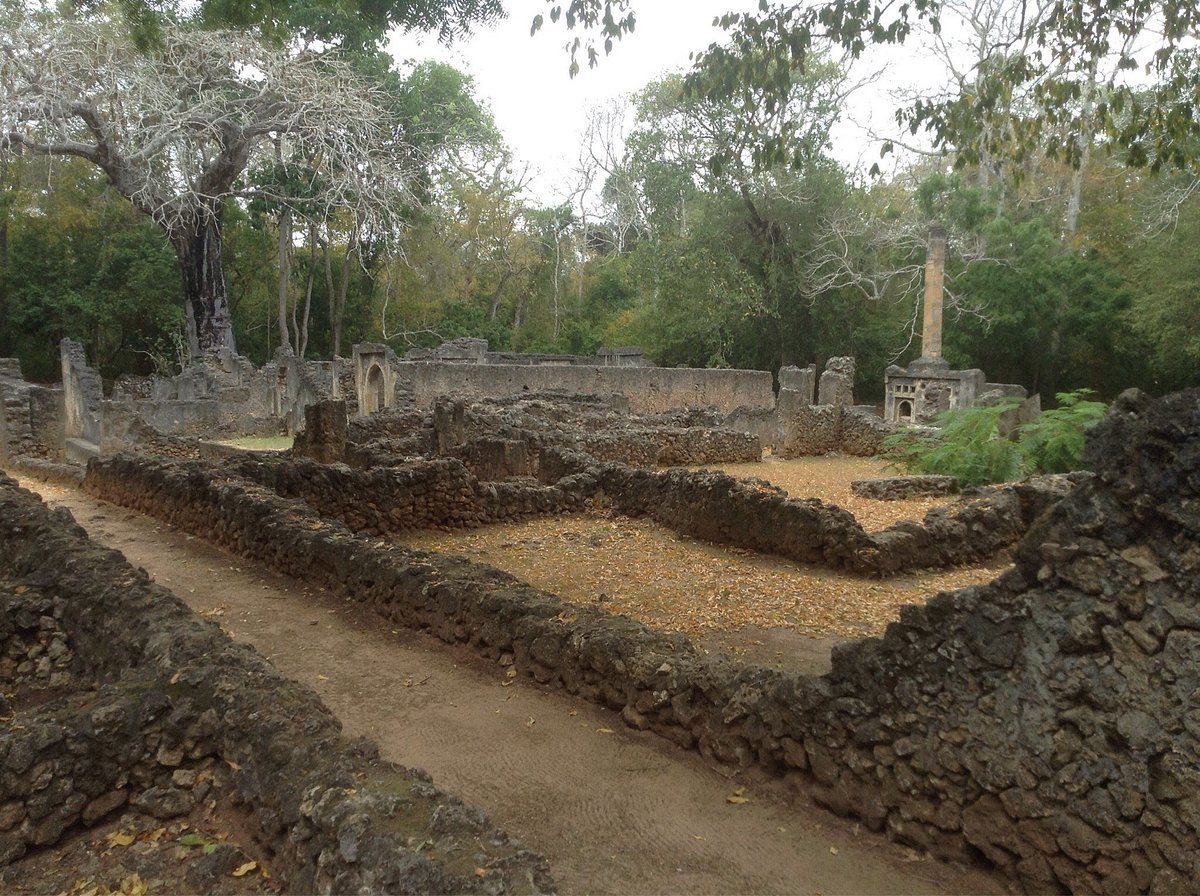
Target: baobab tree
{"x": 175, "y": 126}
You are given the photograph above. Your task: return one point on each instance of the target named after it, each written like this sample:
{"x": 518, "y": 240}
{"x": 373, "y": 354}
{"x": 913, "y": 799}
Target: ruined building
{"x": 928, "y": 387}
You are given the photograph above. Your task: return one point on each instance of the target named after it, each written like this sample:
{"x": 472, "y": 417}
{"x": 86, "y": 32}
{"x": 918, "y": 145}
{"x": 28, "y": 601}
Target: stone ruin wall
{"x": 126, "y": 698}
{"x": 1043, "y": 722}
{"x": 224, "y": 395}
{"x": 394, "y": 494}
{"x": 31, "y": 416}
{"x": 502, "y": 438}
{"x": 227, "y": 395}
{"x": 649, "y": 389}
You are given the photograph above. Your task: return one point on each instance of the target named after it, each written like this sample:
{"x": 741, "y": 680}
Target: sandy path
{"x": 619, "y": 812}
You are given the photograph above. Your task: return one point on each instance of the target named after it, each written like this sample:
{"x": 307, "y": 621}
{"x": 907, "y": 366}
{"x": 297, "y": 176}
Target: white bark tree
{"x": 175, "y": 127}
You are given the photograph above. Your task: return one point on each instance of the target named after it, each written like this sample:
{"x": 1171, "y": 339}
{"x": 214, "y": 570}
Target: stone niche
{"x": 374, "y": 377}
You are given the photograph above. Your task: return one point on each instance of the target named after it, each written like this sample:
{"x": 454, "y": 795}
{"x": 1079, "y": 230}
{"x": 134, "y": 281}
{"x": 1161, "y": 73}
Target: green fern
{"x": 967, "y": 445}
{"x": 1054, "y": 442}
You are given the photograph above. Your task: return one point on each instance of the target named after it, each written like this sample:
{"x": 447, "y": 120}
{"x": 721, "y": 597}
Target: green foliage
{"x": 1153, "y": 125}
{"x": 967, "y": 445}
{"x": 352, "y": 24}
{"x": 80, "y": 263}
{"x": 1054, "y": 442}
{"x": 463, "y": 319}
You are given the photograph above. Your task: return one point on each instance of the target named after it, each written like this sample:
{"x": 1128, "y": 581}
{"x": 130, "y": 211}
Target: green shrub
{"x": 967, "y": 445}
{"x": 1054, "y": 442}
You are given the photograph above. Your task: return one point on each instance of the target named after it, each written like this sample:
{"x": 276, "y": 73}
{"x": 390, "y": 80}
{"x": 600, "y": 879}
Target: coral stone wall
{"x": 168, "y": 709}
{"x": 422, "y": 495}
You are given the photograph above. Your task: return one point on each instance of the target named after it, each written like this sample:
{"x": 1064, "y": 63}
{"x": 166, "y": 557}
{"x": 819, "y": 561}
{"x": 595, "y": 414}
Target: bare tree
{"x": 883, "y": 259}
{"x": 175, "y": 127}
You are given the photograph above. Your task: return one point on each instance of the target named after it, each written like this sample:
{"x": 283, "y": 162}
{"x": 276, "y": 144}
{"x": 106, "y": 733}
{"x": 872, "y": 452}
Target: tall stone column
{"x": 935, "y": 272}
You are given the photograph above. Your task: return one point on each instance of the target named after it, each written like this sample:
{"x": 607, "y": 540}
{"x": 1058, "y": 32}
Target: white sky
{"x": 542, "y": 111}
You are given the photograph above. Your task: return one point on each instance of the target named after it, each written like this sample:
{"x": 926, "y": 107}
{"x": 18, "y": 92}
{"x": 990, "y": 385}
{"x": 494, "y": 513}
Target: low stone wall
{"x": 491, "y": 460}
{"x": 671, "y": 446}
{"x": 1043, "y": 722}
{"x": 423, "y": 495}
{"x": 897, "y": 488}
{"x": 762, "y": 517}
{"x": 484, "y": 435}
{"x": 716, "y": 507}
{"x": 177, "y": 695}
{"x": 391, "y": 423}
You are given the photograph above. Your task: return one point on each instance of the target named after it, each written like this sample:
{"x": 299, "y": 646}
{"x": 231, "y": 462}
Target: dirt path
{"x": 614, "y": 810}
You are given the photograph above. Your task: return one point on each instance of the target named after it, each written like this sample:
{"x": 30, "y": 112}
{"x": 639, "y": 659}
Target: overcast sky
{"x": 541, "y": 110}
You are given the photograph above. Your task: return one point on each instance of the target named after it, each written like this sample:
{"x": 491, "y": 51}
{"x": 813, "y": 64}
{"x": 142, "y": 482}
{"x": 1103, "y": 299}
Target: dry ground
{"x": 614, "y": 810}
{"x": 733, "y": 599}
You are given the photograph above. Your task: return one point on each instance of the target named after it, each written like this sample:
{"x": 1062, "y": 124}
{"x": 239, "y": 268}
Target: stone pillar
{"x": 935, "y": 270}
{"x": 836, "y": 386}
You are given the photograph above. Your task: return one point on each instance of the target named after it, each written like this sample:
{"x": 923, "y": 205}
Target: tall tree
{"x": 174, "y": 129}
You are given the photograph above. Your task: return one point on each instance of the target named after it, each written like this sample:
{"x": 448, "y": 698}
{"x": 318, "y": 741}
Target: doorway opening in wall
{"x": 376, "y": 397}
{"x": 904, "y": 410}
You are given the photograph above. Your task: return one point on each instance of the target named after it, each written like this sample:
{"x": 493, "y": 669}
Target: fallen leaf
{"x": 119, "y": 838}
{"x": 133, "y": 886}
{"x": 481, "y": 872}
{"x": 531, "y": 722}
{"x": 738, "y": 797}
{"x": 322, "y": 678}
{"x": 243, "y": 870}
{"x": 605, "y": 730}
{"x": 833, "y": 850}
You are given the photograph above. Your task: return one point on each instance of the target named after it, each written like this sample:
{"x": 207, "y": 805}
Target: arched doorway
{"x": 376, "y": 395}
{"x": 904, "y": 411}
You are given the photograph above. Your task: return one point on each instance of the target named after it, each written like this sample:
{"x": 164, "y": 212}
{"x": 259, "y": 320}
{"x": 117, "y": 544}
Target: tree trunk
{"x": 497, "y": 295}
{"x": 343, "y": 288}
{"x": 334, "y": 327}
{"x": 285, "y": 273}
{"x": 198, "y": 248}
{"x": 5, "y": 203}
{"x": 302, "y": 332}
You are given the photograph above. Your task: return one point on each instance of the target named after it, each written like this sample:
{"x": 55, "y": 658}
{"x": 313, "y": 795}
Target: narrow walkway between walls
{"x": 614, "y": 810}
